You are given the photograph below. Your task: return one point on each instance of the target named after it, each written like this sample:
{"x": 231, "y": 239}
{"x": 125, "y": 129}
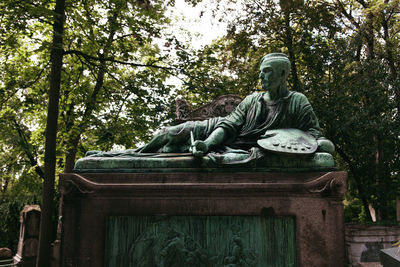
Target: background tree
{"x": 56, "y": 57}
{"x": 107, "y": 56}
{"x": 112, "y": 88}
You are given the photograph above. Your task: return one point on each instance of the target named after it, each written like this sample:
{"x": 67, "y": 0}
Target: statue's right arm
{"x": 227, "y": 128}
{"x": 217, "y": 137}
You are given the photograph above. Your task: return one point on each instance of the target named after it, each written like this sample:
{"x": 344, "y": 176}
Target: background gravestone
{"x": 5, "y": 256}
{"x": 371, "y": 253}
{"x": 28, "y": 237}
{"x": 5, "y": 253}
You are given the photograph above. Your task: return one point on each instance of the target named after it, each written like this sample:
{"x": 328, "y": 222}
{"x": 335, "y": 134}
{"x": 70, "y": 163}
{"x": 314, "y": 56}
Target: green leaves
{"x": 108, "y": 88}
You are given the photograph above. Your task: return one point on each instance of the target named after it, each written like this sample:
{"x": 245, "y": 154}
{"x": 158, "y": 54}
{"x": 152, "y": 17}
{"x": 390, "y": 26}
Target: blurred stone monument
{"x": 29, "y": 236}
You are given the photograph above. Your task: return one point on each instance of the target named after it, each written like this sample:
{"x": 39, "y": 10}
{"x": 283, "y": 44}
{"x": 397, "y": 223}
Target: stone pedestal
{"x": 314, "y": 200}
{"x": 28, "y": 236}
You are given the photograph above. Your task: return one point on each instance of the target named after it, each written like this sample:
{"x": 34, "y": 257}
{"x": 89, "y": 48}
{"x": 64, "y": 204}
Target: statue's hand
{"x": 325, "y": 145}
{"x": 198, "y": 148}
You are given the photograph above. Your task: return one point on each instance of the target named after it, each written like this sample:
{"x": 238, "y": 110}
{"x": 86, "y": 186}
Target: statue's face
{"x": 271, "y": 75}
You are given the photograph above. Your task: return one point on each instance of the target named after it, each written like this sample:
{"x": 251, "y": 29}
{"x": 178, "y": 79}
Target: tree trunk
{"x": 289, "y": 44}
{"x": 358, "y": 180}
{"x": 398, "y": 208}
{"x": 6, "y": 180}
{"x": 370, "y": 42}
{"x": 390, "y": 59}
{"x": 74, "y": 140}
{"x": 71, "y": 154}
{"x": 378, "y": 180}
{"x": 56, "y": 57}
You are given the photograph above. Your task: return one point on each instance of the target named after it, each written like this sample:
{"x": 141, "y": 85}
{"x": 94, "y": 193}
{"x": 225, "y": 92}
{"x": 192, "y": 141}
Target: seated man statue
{"x": 276, "y": 108}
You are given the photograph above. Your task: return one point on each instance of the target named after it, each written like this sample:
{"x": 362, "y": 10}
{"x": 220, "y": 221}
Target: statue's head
{"x": 274, "y": 70}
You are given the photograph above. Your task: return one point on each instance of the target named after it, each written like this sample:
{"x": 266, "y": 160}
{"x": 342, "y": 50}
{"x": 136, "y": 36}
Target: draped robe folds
{"x": 253, "y": 117}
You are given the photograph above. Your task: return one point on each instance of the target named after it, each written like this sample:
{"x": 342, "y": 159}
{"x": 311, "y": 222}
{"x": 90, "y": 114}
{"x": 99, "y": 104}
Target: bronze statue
{"x": 275, "y": 119}
{"x": 276, "y": 108}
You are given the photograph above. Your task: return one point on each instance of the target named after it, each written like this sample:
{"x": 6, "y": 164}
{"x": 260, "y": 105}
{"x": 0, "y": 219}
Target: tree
{"x": 373, "y": 31}
{"x": 112, "y": 73}
{"x": 45, "y": 237}
{"x": 111, "y": 54}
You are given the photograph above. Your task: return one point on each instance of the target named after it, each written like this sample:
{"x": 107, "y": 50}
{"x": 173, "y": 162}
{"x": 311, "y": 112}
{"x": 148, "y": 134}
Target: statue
{"x": 276, "y": 108}
{"x": 241, "y": 136}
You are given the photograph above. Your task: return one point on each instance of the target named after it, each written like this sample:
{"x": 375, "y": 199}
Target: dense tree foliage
{"x": 118, "y": 57}
{"x": 113, "y": 83}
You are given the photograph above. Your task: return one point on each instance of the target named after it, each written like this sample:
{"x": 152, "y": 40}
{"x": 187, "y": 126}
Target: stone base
{"x": 186, "y": 162}
{"x": 313, "y": 199}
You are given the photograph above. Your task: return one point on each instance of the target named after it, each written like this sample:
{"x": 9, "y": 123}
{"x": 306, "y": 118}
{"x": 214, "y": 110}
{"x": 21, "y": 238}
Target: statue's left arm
{"x": 308, "y": 121}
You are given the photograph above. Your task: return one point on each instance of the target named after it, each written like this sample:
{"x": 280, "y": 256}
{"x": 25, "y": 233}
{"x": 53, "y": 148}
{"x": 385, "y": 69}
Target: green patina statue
{"x": 245, "y": 135}
{"x": 277, "y": 108}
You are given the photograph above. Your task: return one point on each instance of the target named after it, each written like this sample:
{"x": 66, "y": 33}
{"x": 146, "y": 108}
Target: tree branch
{"x": 111, "y": 59}
{"x": 26, "y": 147}
{"x": 347, "y": 15}
{"x": 259, "y": 5}
{"x": 363, "y": 3}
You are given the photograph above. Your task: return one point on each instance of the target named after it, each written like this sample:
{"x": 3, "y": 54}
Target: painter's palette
{"x": 292, "y": 141}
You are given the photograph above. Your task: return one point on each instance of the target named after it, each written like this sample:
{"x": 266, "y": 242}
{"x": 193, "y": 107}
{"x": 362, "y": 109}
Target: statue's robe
{"x": 253, "y": 117}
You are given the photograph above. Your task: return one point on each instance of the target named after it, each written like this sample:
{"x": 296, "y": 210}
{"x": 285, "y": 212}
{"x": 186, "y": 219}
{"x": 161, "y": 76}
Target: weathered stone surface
{"x": 186, "y": 162}
{"x": 201, "y": 241}
{"x": 371, "y": 253}
{"x": 314, "y": 199}
{"x": 29, "y": 236}
{"x": 364, "y": 242}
